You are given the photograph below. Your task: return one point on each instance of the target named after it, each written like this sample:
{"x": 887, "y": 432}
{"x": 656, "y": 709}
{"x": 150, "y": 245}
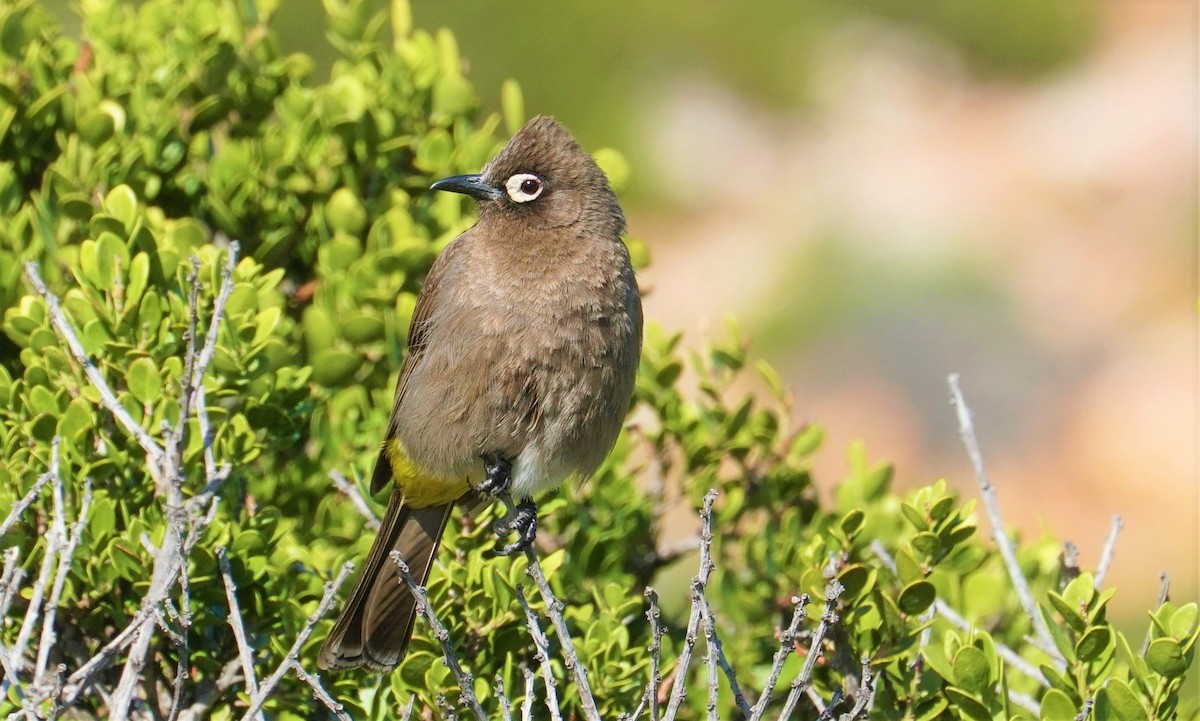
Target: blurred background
{"x": 885, "y": 193}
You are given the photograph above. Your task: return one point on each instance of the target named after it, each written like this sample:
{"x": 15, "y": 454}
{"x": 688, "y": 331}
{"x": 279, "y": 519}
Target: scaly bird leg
{"x": 523, "y": 520}
{"x": 499, "y": 475}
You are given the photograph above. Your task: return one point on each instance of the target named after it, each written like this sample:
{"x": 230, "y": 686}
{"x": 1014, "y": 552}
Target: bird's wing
{"x": 418, "y": 336}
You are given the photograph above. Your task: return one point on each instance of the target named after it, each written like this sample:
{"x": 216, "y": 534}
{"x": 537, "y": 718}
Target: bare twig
{"x": 542, "y": 644}
{"x": 10, "y": 580}
{"x": 206, "y": 355}
{"x": 314, "y": 682}
{"x": 714, "y": 644}
{"x": 293, "y": 655}
{"x": 1164, "y": 593}
{"x": 527, "y": 702}
{"x": 710, "y": 667}
{"x": 804, "y": 679}
{"x": 245, "y": 655}
{"x": 16, "y": 654}
{"x": 865, "y": 696}
{"x": 66, "y": 333}
{"x": 79, "y": 681}
{"x": 171, "y": 558}
{"x": 554, "y": 609}
{"x": 350, "y": 490}
{"x": 1109, "y": 551}
{"x": 991, "y": 503}
{"x": 183, "y": 662}
{"x": 19, "y": 507}
{"x": 715, "y": 655}
{"x": 1086, "y": 711}
{"x": 466, "y": 682}
{"x": 787, "y": 644}
{"x": 60, "y": 577}
{"x": 656, "y": 633}
{"x": 685, "y": 657}
{"x": 505, "y": 706}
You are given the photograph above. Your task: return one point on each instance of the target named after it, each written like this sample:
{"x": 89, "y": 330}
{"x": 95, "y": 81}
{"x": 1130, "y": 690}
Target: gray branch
{"x": 1109, "y": 551}
{"x": 245, "y": 655}
{"x": 542, "y": 644}
{"x": 787, "y": 644}
{"x": 350, "y": 490}
{"x": 466, "y": 682}
{"x": 292, "y": 659}
{"x": 991, "y": 503}
{"x": 803, "y": 680}
{"x": 66, "y": 333}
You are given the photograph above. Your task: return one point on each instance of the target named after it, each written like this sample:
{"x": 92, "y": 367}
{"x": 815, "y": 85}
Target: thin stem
{"x": 527, "y": 702}
{"x": 466, "y": 682}
{"x": 1109, "y": 551}
{"x": 350, "y": 490}
{"x": 656, "y": 633}
{"x": 991, "y": 503}
{"x": 19, "y": 507}
{"x": 66, "y": 333}
{"x": 804, "y": 679}
{"x": 314, "y": 682}
{"x": 554, "y": 609}
{"x": 787, "y": 644}
{"x": 505, "y": 706}
{"x": 245, "y": 655}
{"x": 293, "y": 654}
{"x": 60, "y": 578}
{"x": 542, "y": 644}
{"x": 685, "y": 657}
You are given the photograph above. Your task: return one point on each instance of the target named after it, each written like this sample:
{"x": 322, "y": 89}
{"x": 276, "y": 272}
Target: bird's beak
{"x": 471, "y": 185}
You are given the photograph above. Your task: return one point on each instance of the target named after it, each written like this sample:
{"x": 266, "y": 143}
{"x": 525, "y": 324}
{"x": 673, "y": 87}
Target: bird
{"x": 522, "y": 357}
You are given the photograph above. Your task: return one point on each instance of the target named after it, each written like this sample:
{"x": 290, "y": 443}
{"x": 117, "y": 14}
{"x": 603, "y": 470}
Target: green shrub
{"x": 129, "y": 165}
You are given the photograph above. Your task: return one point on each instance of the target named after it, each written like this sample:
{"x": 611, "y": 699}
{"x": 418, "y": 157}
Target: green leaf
{"x": 914, "y": 516}
{"x": 1057, "y": 706}
{"x": 1165, "y": 656}
{"x": 967, "y": 706}
{"x": 971, "y": 670}
{"x": 122, "y": 204}
{"x": 144, "y": 381}
{"x": 852, "y": 522}
{"x": 334, "y": 367}
{"x": 916, "y": 597}
{"x": 1067, "y": 611}
{"x": 1093, "y": 643}
{"x": 1117, "y": 701}
{"x": 1183, "y": 621}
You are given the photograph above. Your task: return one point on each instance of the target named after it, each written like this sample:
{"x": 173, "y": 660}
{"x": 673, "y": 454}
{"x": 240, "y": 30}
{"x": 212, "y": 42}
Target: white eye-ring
{"x": 524, "y": 187}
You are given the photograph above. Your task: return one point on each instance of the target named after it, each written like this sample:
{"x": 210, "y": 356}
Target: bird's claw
{"x": 523, "y": 521}
{"x": 499, "y": 475}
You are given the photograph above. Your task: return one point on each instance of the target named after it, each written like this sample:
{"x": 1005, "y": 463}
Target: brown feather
{"x": 377, "y": 622}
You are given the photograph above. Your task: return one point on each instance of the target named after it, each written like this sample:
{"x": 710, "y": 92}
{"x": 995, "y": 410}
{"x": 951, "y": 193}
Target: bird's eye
{"x": 524, "y": 187}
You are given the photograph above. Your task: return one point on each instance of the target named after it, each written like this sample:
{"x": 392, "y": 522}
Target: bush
{"x": 174, "y": 531}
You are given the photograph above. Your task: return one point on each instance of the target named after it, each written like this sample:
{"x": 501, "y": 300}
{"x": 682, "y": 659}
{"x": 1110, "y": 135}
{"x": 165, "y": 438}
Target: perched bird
{"x": 521, "y": 361}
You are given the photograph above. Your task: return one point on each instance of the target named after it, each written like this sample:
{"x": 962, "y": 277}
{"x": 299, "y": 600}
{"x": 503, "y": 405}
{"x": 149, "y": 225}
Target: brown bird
{"x": 521, "y": 361}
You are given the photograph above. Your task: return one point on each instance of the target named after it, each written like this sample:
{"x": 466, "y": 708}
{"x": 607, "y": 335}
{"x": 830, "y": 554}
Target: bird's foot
{"x": 499, "y": 475}
{"x": 523, "y": 522}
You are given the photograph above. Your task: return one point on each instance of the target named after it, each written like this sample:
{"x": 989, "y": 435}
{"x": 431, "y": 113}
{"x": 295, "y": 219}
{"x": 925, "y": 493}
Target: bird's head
{"x": 542, "y": 178}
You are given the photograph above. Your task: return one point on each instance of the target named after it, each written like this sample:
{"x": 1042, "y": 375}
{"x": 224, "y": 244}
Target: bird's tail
{"x": 377, "y": 622}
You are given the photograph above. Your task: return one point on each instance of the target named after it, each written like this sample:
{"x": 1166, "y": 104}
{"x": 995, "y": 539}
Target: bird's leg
{"x": 523, "y": 519}
{"x": 499, "y": 475}
{"x": 524, "y": 522}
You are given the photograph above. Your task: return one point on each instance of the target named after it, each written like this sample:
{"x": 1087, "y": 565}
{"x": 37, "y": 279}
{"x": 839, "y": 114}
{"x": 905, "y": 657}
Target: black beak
{"x": 471, "y": 185}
